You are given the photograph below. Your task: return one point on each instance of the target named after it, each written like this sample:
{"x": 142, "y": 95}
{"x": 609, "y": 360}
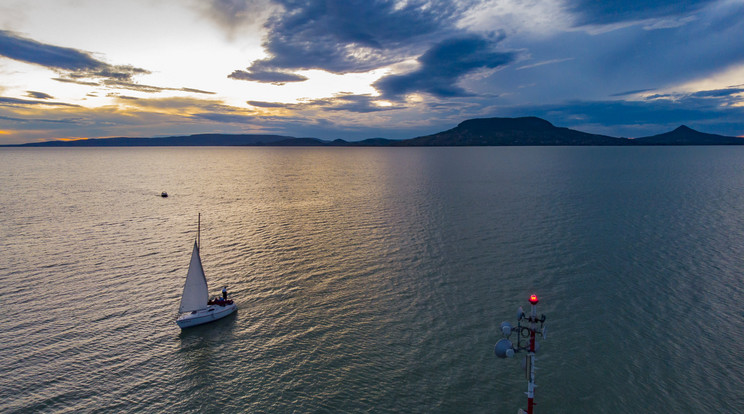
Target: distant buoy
{"x": 163, "y": 194}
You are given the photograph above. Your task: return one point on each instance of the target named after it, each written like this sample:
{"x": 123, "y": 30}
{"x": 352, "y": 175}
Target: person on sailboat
{"x": 224, "y": 293}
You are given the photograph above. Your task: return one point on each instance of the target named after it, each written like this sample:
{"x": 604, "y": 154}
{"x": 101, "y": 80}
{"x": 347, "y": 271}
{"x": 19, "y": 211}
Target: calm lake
{"x": 372, "y": 279}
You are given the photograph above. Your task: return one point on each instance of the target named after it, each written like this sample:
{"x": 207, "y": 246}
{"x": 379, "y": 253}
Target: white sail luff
{"x": 195, "y": 291}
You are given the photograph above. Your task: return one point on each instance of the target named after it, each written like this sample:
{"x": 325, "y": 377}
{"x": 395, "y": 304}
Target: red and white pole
{"x": 531, "y": 352}
{"x": 505, "y": 348}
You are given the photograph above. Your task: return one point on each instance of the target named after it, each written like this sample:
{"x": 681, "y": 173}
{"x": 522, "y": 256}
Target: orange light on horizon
{"x": 72, "y": 139}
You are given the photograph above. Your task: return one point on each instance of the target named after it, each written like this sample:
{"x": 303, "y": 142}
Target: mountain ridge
{"x": 684, "y": 135}
{"x": 526, "y": 131}
{"x": 522, "y": 131}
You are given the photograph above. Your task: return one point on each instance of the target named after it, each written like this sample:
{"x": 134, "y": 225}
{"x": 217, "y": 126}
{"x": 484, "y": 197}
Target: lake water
{"x": 372, "y": 279}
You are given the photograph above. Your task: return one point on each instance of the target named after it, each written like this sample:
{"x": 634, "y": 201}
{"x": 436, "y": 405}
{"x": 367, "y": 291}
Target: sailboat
{"x": 196, "y": 307}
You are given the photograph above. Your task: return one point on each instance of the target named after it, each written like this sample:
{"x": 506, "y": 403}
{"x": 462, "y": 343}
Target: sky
{"x": 356, "y": 69}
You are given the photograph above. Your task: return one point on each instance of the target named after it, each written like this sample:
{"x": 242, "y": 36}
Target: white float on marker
{"x": 506, "y": 328}
{"x": 504, "y": 348}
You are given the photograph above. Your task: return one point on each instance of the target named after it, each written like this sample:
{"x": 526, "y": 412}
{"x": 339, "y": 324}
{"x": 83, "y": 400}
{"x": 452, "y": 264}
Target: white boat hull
{"x": 202, "y": 316}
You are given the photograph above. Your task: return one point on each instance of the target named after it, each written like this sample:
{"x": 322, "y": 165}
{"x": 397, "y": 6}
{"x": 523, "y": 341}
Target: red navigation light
{"x": 533, "y": 299}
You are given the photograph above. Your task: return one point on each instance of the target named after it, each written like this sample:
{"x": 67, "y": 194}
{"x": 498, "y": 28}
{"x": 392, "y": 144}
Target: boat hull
{"x": 209, "y": 314}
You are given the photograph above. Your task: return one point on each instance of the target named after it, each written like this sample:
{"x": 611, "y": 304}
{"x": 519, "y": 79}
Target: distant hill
{"x": 688, "y": 136}
{"x": 174, "y": 141}
{"x": 474, "y": 132}
{"x": 511, "y": 131}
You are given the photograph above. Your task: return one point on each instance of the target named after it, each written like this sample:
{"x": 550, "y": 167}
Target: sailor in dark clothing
{"x": 224, "y": 293}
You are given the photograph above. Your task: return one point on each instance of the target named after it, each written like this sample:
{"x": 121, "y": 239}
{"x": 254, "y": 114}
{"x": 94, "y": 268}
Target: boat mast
{"x": 198, "y": 232}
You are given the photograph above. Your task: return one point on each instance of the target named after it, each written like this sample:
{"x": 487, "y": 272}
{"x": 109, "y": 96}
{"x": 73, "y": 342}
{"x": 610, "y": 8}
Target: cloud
{"x": 592, "y": 12}
{"x": 443, "y": 65}
{"x": 234, "y": 14}
{"x": 35, "y": 120}
{"x": 633, "y": 92}
{"x": 38, "y": 95}
{"x": 340, "y": 102}
{"x": 72, "y": 64}
{"x": 5, "y": 101}
{"x": 150, "y": 88}
{"x": 270, "y": 76}
{"x": 351, "y": 103}
{"x": 173, "y": 104}
{"x": 344, "y": 36}
{"x": 76, "y": 66}
{"x": 719, "y": 93}
{"x": 713, "y": 111}
{"x": 77, "y": 82}
{"x": 261, "y": 104}
{"x": 197, "y": 91}
{"x": 433, "y": 61}
{"x": 223, "y": 117}
{"x": 30, "y": 51}
{"x": 532, "y": 17}
{"x": 543, "y": 63}
{"x": 132, "y": 86}
{"x": 669, "y": 23}
{"x": 627, "y": 59}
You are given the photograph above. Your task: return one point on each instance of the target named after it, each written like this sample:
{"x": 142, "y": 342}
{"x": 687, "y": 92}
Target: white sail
{"x": 195, "y": 291}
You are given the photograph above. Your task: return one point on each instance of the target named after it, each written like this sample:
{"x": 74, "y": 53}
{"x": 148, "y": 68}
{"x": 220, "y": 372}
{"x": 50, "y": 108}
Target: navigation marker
{"x": 505, "y": 348}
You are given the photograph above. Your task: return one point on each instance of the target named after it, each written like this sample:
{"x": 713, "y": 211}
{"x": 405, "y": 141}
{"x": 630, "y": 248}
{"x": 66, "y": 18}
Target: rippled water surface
{"x": 372, "y": 279}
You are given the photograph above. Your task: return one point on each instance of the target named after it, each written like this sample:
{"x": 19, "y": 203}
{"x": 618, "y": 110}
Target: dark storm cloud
{"x": 343, "y": 36}
{"x": 592, "y": 12}
{"x": 30, "y": 51}
{"x": 72, "y": 63}
{"x": 350, "y": 35}
{"x": 443, "y": 65}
